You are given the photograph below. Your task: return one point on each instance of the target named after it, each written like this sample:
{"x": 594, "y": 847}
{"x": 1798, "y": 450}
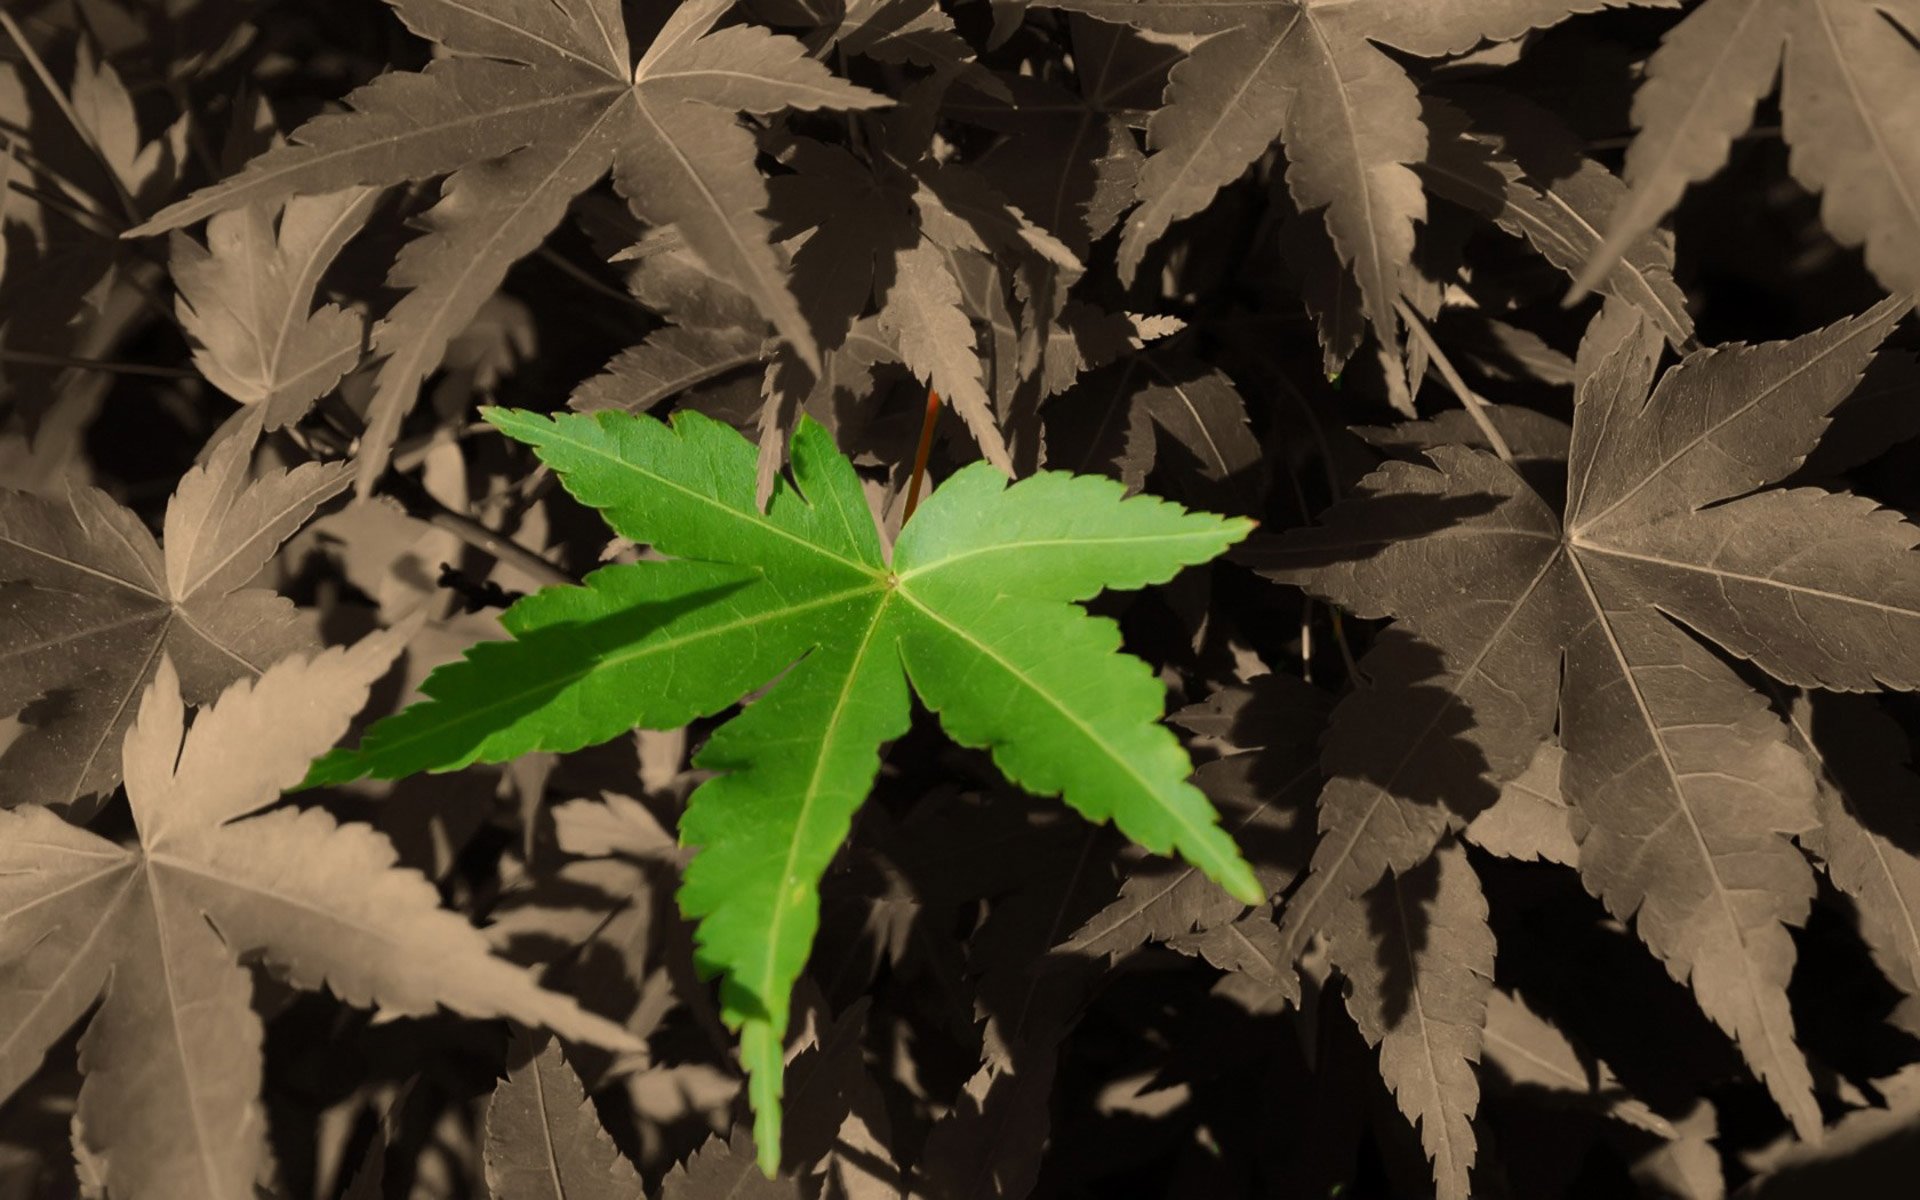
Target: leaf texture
{"x": 1530, "y": 820}
{"x": 724, "y": 1170}
{"x": 544, "y": 1140}
{"x": 1682, "y": 789}
{"x": 667, "y": 362}
{"x": 155, "y": 932}
{"x": 531, "y": 109}
{"x": 91, "y": 602}
{"x": 247, "y": 300}
{"x": 936, "y": 341}
{"x": 1418, "y": 959}
{"x": 1312, "y": 76}
{"x": 1848, "y": 107}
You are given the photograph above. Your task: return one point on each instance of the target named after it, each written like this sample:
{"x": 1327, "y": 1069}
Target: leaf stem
{"x": 921, "y": 454}
{"x": 1306, "y": 518}
{"x": 1469, "y": 399}
{"x": 32, "y": 161}
{"x": 428, "y": 507}
{"x": 34, "y": 359}
{"x": 60, "y": 101}
{"x": 79, "y": 216}
{"x": 585, "y": 279}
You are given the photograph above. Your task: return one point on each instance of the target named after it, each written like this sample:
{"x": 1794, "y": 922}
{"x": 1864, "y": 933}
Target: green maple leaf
{"x": 977, "y": 605}
{"x": 534, "y": 104}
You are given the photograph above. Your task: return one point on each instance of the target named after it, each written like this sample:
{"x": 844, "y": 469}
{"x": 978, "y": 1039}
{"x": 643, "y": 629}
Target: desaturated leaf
{"x": 935, "y": 340}
{"x": 1249, "y": 946}
{"x": 669, "y": 361}
{"x": 1530, "y": 820}
{"x": 611, "y": 825}
{"x": 1687, "y": 1167}
{"x": 1533, "y": 437}
{"x": 1418, "y": 959}
{"x": 1878, "y": 414}
{"x": 90, "y": 603}
{"x": 154, "y": 931}
{"x": 106, "y": 116}
{"x": 543, "y": 1138}
{"x": 1314, "y": 77}
{"x": 976, "y": 604}
{"x": 1869, "y": 831}
{"x": 1069, "y": 161}
{"x": 1864, "y": 1148}
{"x": 825, "y": 1078}
{"x": 1531, "y": 1052}
{"x": 1682, "y": 787}
{"x": 666, "y": 276}
{"x": 967, "y": 1152}
{"x": 859, "y": 219}
{"x": 1531, "y": 178}
{"x": 1114, "y": 421}
{"x": 725, "y": 1170}
{"x": 532, "y": 107}
{"x": 1848, "y": 96}
{"x": 912, "y": 31}
{"x": 247, "y": 300}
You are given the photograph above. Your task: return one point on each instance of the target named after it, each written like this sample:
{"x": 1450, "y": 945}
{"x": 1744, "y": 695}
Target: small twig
{"x": 1347, "y": 660}
{"x": 196, "y": 140}
{"x": 1306, "y": 612}
{"x": 31, "y": 159}
{"x": 33, "y": 359}
{"x": 428, "y": 507}
{"x": 581, "y": 276}
{"x": 1469, "y": 399}
{"x": 86, "y": 220}
{"x": 1306, "y": 639}
{"x": 921, "y": 454}
{"x": 1319, "y": 439}
{"x": 67, "y": 110}
{"x": 475, "y": 594}
{"x": 410, "y": 452}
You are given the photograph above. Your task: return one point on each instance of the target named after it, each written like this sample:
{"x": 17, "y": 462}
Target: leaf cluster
{"x": 955, "y": 599}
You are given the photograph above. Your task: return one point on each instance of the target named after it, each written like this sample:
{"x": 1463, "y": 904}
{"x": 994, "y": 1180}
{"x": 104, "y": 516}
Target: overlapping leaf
{"x": 1263, "y": 787}
{"x": 976, "y": 604}
{"x": 1683, "y": 788}
{"x": 1314, "y": 77}
{"x": 1418, "y": 959}
{"x": 533, "y": 106}
{"x": 1532, "y": 179}
{"x": 1869, "y": 832}
{"x": 544, "y": 1140}
{"x": 155, "y": 932}
{"x": 1849, "y": 101}
{"x": 246, "y": 299}
{"x": 90, "y": 602}
{"x": 1531, "y": 1052}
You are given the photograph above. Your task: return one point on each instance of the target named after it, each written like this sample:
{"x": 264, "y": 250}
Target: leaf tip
{"x": 1242, "y": 885}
